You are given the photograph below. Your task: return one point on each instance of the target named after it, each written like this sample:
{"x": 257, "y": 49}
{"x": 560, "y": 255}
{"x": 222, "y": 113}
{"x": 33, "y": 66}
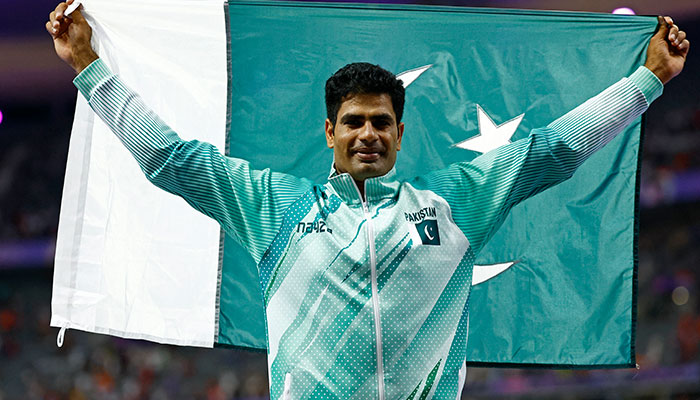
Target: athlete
{"x": 365, "y": 279}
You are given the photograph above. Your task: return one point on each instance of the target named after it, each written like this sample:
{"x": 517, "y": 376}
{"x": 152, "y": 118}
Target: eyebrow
{"x": 379, "y": 117}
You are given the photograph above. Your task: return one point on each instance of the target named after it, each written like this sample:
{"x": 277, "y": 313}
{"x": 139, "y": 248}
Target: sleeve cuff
{"x": 89, "y": 78}
{"x": 648, "y": 83}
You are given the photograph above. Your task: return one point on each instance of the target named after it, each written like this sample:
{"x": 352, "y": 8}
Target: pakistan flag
{"x": 476, "y": 79}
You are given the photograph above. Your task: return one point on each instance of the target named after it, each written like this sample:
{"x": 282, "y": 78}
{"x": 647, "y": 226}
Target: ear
{"x": 399, "y": 136}
{"x": 330, "y": 137}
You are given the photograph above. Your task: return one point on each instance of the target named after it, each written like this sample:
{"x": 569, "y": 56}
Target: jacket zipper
{"x": 375, "y": 293}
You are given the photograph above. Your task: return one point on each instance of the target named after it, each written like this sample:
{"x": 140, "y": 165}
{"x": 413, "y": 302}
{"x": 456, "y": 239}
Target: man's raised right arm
{"x": 249, "y": 204}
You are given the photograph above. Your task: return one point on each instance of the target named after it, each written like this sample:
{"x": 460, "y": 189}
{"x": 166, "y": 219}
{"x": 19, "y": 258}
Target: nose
{"x": 368, "y": 133}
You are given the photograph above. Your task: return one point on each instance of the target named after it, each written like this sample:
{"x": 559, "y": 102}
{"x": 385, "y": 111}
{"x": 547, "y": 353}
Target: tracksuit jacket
{"x": 365, "y": 297}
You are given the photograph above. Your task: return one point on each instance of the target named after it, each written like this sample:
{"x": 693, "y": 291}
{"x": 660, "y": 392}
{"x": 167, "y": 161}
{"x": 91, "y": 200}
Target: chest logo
{"x": 313, "y": 227}
{"x": 428, "y": 232}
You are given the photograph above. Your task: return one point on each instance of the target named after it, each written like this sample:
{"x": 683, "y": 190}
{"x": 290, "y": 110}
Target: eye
{"x": 354, "y": 123}
{"x": 381, "y": 124}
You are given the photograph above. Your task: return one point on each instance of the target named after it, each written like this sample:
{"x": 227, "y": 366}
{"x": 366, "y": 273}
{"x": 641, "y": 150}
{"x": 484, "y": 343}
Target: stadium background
{"x": 36, "y": 105}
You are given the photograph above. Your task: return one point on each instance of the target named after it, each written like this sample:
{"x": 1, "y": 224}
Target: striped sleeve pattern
{"x": 481, "y": 192}
{"x": 248, "y": 204}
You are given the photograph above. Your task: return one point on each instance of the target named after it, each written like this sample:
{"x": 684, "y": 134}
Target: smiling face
{"x": 365, "y": 137}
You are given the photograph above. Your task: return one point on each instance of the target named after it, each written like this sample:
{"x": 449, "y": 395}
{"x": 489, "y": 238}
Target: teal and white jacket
{"x": 365, "y": 298}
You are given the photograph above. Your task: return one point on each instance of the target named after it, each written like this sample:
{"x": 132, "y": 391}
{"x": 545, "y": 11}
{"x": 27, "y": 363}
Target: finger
{"x": 680, "y": 37}
{"x": 60, "y": 10}
{"x": 668, "y": 20}
{"x": 58, "y": 27}
{"x": 673, "y": 33}
{"x": 662, "y": 27}
{"x": 54, "y": 23}
{"x": 684, "y": 47}
{"x": 50, "y": 29}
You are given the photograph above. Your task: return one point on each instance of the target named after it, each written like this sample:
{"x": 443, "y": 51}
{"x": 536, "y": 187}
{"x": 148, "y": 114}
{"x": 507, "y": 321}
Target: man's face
{"x": 365, "y": 137}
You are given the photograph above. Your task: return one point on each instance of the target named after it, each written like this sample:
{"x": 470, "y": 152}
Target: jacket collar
{"x": 376, "y": 189}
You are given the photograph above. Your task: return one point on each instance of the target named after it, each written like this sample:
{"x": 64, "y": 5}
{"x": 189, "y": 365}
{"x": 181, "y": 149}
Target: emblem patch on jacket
{"x": 428, "y": 232}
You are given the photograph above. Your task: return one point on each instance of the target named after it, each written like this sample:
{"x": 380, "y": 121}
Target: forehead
{"x": 367, "y": 104}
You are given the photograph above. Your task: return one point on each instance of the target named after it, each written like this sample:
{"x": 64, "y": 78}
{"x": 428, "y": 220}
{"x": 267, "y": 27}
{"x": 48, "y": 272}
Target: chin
{"x": 369, "y": 171}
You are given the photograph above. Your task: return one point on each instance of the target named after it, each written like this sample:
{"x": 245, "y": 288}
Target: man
{"x": 365, "y": 279}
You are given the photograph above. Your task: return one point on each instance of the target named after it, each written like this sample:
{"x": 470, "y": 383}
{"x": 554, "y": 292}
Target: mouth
{"x": 368, "y": 154}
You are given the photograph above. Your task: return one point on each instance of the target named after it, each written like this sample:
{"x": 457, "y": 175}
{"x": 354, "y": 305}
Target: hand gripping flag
{"x": 135, "y": 262}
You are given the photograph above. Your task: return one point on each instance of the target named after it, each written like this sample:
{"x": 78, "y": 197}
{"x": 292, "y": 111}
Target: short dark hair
{"x": 361, "y": 78}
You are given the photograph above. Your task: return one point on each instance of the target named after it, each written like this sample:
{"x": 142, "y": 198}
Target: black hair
{"x": 361, "y": 78}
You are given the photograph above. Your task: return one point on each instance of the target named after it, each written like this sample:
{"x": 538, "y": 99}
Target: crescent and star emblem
{"x": 427, "y": 233}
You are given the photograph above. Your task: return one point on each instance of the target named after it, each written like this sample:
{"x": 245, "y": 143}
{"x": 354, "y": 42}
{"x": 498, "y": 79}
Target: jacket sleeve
{"x": 248, "y": 204}
{"x": 482, "y": 191}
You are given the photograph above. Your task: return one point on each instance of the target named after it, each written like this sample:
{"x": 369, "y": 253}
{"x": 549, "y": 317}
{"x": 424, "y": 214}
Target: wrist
{"x": 660, "y": 72}
{"x": 82, "y": 59}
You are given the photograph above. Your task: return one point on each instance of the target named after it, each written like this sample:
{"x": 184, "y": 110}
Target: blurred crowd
{"x": 91, "y": 366}
{"x": 33, "y": 151}
{"x": 671, "y": 155}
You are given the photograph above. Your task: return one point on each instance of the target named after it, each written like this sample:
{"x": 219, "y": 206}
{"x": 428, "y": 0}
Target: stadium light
{"x": 624, "y": 11}
{"x": 680, "y": 295}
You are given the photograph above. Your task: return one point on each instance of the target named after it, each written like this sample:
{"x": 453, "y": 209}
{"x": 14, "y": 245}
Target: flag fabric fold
{"x": 135, "y": 262}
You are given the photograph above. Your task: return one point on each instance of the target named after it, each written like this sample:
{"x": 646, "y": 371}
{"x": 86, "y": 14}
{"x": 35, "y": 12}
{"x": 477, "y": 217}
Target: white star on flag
{"x": 491, "y": 136}
{"x": 407, "y": 77}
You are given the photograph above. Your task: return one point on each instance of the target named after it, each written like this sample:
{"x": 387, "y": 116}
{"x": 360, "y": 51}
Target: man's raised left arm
{"x": 482, "y": 192}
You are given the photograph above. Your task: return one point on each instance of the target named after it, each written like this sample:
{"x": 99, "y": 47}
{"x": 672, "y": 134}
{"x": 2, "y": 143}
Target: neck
{"x": 361, "y": 187}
